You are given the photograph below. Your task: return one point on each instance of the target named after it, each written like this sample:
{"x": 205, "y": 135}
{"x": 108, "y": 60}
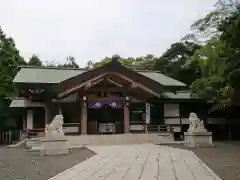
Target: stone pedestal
{"x": 55, "y": 143}
{"x": 33, "y": 142}
{"x": 198, "y": 139}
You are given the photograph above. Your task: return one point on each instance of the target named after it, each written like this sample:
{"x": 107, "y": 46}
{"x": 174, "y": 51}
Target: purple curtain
{"x": 105, "y": 102}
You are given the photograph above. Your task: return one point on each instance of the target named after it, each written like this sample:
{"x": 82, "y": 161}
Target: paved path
{"x": 144, "y": 162}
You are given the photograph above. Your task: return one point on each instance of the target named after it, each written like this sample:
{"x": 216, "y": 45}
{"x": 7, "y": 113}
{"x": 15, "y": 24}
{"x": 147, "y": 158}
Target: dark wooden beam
{"x": 109, "y": 89}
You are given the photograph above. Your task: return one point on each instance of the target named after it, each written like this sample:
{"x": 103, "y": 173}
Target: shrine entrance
{"x": 105, "y": 116}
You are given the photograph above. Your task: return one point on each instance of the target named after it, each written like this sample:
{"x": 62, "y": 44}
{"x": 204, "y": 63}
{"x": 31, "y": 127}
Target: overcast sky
{"x": 93, "y": 29}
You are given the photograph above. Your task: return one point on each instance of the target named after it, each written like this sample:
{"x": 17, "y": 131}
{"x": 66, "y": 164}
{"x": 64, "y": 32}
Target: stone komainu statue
{"x": 195, "y": 124}
{"x": 55, "y": 125}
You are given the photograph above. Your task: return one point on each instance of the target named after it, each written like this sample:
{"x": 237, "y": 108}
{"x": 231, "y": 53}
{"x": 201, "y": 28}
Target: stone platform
{"x": 142, "y": 161}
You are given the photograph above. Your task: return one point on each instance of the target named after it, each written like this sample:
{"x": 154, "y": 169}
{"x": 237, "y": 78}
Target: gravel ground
{"x": 18, "y": 163}
{"x": 224, "y": 160}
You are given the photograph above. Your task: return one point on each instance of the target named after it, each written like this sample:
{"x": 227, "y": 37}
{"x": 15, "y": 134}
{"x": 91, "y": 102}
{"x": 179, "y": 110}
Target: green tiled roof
{"x": 45, "y": 75}
{"x": 162, "y": 79}
{"x": 56, "y": 75}
{"x": 179, "y": 95}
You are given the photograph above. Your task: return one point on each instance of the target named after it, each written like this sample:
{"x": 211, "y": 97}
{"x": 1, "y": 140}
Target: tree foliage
{"x": 70, "y": 63}
{"x": 172, "y": 61}
{"x": 35, "y": 61}
{"x": 218, "y": 58}
{"x": 9, "y": 60}
{"x": 207, "y": 28}
{"x": 144, "y": 62}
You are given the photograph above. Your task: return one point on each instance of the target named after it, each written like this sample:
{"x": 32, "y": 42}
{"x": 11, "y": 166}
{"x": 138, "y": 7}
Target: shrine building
{"x": 108, "y": 99}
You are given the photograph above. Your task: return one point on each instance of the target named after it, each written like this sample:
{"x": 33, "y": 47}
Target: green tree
{"x": 9, "y": 62}
{"x": 90, "y": 64}
{"x": 140, "y": 63}
{"x": 216, "y": 60}
{"x": 70, "y": 63}
{"x": 213, "y": 64}
{"x": 207, "y": 28}
{"x": 35, "y": 61}
{"x": 172, "y": 61}
{"x": 128, "y": 62}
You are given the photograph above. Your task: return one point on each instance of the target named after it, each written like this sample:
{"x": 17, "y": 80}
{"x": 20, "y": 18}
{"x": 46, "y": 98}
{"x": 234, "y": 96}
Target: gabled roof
{"x": 44, "y": 75}
{"x": 162, "y": 79}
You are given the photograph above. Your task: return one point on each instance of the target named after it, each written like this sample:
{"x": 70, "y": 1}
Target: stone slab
{"x": 141, "y": 161}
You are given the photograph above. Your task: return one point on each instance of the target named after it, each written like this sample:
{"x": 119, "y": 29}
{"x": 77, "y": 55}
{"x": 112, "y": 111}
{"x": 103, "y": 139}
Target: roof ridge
{"x": 145, "y": 70}
{"x": 57, "y": 68}
{"x": 86, "y": 69}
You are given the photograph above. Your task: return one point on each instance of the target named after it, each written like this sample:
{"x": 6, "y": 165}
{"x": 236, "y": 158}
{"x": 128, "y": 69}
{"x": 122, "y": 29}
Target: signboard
{"x": 148, "y": 113}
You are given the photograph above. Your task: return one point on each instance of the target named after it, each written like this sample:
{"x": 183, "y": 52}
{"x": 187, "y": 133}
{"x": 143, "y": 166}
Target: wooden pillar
{"x": 126, "y": 119}
{"x": 30, "y": 119}
{"x": 46, "y": 114}
{"x": 84, "y": 119}
{"x": 147, "y": 113}
{"x": 24, "y": 121}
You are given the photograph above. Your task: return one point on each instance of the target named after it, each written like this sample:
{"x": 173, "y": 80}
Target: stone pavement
{"x": 142, "y": 161}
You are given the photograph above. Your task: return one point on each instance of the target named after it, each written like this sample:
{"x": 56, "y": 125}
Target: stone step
{"x": 34, "y": 144}
{"x": 118, "y": 139}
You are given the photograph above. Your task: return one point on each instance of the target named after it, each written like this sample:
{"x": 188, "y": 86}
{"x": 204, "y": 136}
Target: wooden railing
{"x": 158, "y": 128}
{"x": 71, "y": 128}
{"x": 177, "y": 134}
{"x": 150, "y": 128}
{"x": 39, "y": 132}
{"x": 8, "y": 137}
{"x": 29, "y": 133}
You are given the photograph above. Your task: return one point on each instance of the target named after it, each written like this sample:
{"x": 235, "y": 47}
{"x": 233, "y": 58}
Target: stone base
{"x": 198, "y": 139}
{"x": 55, "y": 144}
{"x": 33, "y": 142}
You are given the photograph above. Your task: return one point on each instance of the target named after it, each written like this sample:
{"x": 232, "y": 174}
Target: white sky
{"x": 93, "y": 29}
